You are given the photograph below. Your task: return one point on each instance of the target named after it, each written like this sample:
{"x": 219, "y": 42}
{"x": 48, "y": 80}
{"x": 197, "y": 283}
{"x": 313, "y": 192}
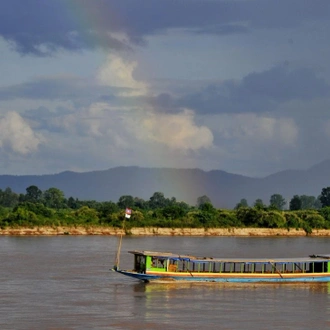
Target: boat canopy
{"x": 181, "y": 257}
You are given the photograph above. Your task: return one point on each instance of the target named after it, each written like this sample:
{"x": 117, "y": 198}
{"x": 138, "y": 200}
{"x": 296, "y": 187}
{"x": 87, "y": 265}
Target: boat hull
{"x": 227, "y": 278}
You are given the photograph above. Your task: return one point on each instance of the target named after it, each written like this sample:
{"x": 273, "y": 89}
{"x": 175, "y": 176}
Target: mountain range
{"x": 224, "y": 189}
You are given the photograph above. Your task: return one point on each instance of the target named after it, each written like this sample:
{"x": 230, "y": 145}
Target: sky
{"x": 236, "y": 85}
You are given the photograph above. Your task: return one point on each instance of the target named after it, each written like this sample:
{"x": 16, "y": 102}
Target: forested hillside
{"x": 224, "y": 189}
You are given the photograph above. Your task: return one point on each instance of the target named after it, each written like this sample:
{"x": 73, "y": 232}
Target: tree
{"x": 73, "y": 203}
{"x": 107, "y": 208}
{"x": 87, "y": 214}
{"x": 274, "y": 219}
{"x": 21, "y": 198}
{"x": 325, "y": 197}
{"x": 307, "y": 202}
{"x": 277, "y": 201}
{"x": 202, "y": 200}
{"x": 184, "y": 206}
{"x": 33, "y": 194}
{"x": 173, "y": 211}
{"x": 157, "y": 201}
{"x": 207, "y": 215}
{"x": 8, "y": 198}
{"x": 325, "y": 212}
{"x": 54, "y": 198}
{"x": 318, "y": 204}
{"x": 259, "y": 204}
{"x": 125, "y": 201}
{"x": 140, "y": 203}
{"x": 208, "y": 207}
{"x": 250, "y": 217}
{"x": 295, "y": 203}
{"x": 36, "y": 208}
{"x": 171, "y": 201}
{"x": 242, "y": 203}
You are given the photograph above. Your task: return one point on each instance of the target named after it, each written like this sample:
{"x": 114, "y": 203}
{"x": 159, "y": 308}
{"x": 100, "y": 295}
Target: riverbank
{"x": 151, "y": 231}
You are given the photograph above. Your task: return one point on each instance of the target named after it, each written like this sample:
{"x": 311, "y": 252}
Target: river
{"x": 64, "y": 282}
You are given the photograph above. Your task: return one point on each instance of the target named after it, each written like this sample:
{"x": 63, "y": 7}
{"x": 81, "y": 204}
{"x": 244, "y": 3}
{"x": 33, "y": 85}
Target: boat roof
{"x": 173, "y": 256}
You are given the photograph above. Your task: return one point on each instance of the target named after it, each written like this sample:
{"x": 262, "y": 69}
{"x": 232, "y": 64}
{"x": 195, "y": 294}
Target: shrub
{"x": 316, "y": 221}
{"x": 227, "y": 218}
{"x": 85, "y": 214}
{"x": 293, "y": 220}
{"x": 273, "y": 219}
{"x": 23, "y": 217}
{"x": 250, "y": 217}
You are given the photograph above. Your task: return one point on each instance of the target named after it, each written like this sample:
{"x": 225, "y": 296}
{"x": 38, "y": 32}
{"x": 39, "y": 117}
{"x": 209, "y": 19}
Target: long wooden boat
{"x": 168, "y": 267}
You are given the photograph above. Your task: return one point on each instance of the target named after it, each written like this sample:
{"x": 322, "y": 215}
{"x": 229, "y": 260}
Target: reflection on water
{"x": 230, "y": 306}
{"x": 216, "y": 287}
{"x": 194, "y": 305}
{"x": 65, "y": 283}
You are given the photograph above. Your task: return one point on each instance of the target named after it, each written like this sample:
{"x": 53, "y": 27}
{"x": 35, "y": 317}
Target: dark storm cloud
{"x": 41, "y": 27}
{"x": 257, "y": 92}
{"x": 282, "y": 84}
{"x": 149, "y": 16}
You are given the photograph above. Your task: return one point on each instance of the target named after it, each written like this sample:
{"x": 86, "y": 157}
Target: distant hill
{"x": 224, "y": 189}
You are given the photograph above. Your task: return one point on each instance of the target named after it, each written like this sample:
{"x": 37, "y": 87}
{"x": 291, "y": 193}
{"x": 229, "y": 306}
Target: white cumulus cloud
{"x": 117, "y": 72}
{"x": 16, "y": 135}
{"x": 177, "y": 131}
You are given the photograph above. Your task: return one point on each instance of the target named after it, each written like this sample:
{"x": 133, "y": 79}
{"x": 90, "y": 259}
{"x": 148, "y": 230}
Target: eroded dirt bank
{"x": 151, "y": 231}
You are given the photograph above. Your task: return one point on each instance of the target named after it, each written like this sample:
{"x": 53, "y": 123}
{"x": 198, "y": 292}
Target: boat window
{"x": 182, "y": 265}
{"x": 216, "y": 266}
{"x": 157, "y": 262}
{"x": 320, "y": 267}
{"x": 293, "y": 267}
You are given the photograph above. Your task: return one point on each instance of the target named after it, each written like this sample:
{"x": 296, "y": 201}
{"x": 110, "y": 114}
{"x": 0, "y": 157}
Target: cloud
{"x": 258, "y": 130}
{"x": 257, "y": 92}
{"x": 117, "y": 72}
{"x": 41, "y": 28}
{"x": 326, "y": 128}
{"x": 222, "y": 29}
{"x": 17, "y": 136}
{"x": 56, "y": 88}
{"x": 176, "y": 131}
{"x": 121, "y": 120}
{"x": 127, "y": 127}
{"x": 114, "y": 79}
{"x": 244, "y": 141}
{"x": 281, "y": 83}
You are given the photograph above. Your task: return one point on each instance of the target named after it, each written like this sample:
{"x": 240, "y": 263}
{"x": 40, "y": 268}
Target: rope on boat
{"x": 277, "y": 271}
{"x": 182, "y": 259}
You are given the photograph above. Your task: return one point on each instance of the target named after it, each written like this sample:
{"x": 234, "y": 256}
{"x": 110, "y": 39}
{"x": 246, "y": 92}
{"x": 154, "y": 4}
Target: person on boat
{"x": 142, "y": 267}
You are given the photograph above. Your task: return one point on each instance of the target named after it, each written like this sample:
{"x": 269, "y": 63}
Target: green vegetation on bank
{"x": 51, "y": 208}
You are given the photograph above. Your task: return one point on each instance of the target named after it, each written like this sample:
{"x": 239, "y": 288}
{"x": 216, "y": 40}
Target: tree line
{"x": 277, "y": 201}
{"x": 51, "y": 208}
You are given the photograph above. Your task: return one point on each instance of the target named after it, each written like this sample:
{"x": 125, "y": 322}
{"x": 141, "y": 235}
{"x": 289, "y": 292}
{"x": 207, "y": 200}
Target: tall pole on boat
{"x": 128, "y": 213}
{"x": 118, "y": 252}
